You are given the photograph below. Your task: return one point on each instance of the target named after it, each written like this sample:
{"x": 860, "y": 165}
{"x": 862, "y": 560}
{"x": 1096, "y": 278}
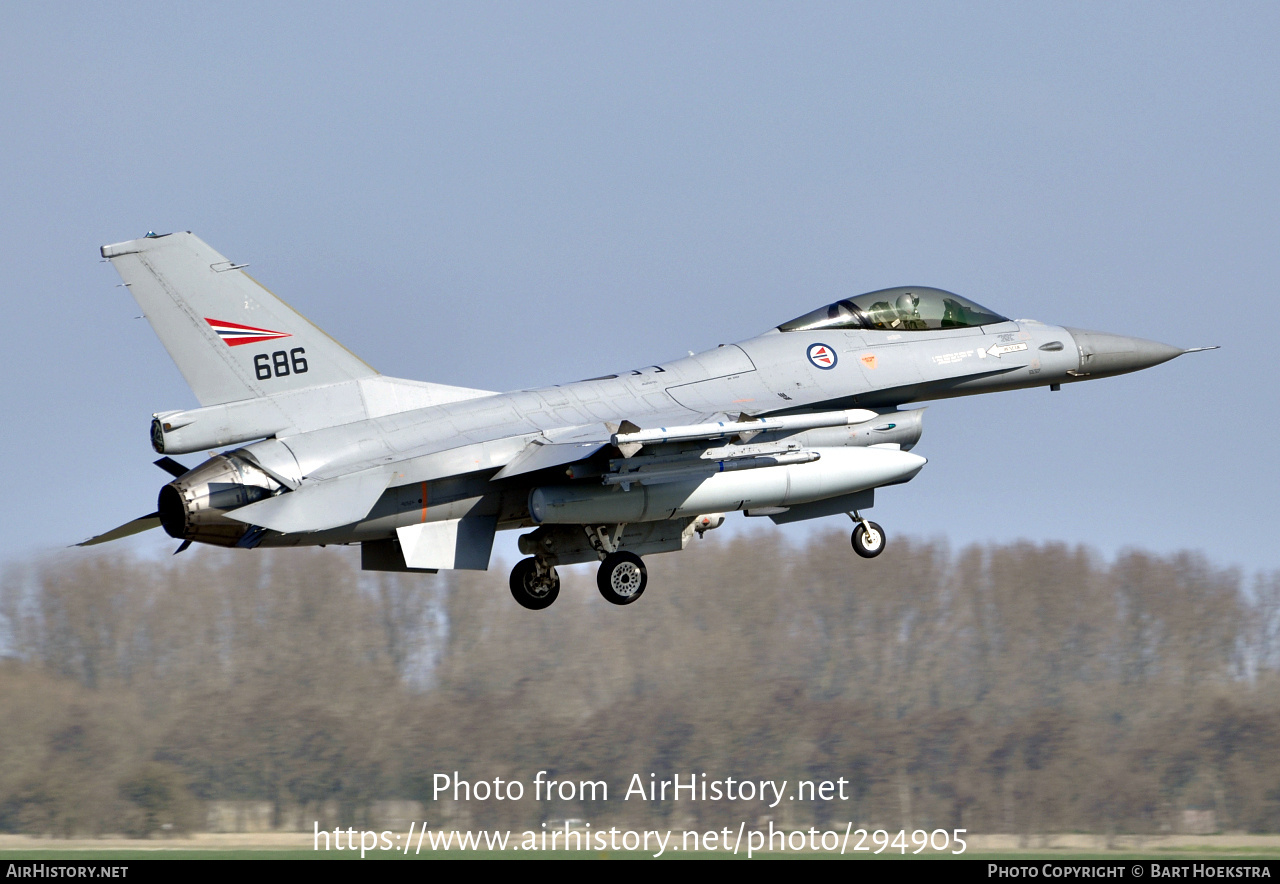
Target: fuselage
{"x": 445, "y": 456}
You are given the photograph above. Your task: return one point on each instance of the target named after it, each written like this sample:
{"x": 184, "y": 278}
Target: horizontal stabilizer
{"x": 317, "y": 506}
{"x": 137, "y": 526}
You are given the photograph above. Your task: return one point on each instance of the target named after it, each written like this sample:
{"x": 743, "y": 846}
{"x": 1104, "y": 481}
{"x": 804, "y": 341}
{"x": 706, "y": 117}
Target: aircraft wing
{"x": 533, "y": 449}
{"x": 522, "y": 448}
{"x": 704, "y": 447}
{"x": 343, "y": 494}
{"x": 340, "y": 494}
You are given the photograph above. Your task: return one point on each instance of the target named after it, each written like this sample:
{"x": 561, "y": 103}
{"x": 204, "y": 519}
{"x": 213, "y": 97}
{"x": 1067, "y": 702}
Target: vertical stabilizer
{"x": 230, "y": 337}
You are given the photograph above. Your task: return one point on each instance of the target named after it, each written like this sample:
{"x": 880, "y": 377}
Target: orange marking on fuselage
{"x": 424, "y": 501}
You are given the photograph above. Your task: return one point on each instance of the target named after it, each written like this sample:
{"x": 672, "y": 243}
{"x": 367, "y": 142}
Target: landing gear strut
{"x": 622, "y": 577}
{"x": 868, "y": 538}
{"x": 534, "y": 585}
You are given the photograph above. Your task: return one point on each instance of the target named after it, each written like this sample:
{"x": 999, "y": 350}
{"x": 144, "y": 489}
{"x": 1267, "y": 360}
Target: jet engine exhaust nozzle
{"x": 192, "y": 507}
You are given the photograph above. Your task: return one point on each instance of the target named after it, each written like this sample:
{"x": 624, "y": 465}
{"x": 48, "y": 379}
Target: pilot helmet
{"x": 907, "y": 304}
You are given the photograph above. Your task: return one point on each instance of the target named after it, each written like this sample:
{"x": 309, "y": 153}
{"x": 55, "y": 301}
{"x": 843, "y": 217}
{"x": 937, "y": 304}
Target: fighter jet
{"x": 804, "y": 421}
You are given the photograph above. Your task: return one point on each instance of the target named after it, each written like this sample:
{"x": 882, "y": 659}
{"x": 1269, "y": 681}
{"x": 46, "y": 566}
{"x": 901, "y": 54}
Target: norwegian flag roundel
{"x": 822, "y": 356}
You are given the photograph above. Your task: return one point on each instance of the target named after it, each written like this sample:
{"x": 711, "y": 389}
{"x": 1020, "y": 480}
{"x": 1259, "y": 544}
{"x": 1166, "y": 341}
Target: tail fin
{"x": 230, "y": 337}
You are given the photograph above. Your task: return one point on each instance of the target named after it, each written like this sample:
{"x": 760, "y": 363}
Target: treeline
{"x": 1011, "y": 688}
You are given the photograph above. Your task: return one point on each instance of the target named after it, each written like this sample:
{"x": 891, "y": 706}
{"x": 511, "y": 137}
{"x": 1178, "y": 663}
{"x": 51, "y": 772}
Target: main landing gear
{"x": 868, "y": 538}
{"x": 534, "y": 585}
{"x": 621, "y": 580}
{"x": 622, "y": 577}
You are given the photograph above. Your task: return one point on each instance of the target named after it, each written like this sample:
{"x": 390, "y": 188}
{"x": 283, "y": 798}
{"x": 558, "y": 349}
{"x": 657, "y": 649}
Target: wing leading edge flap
{"x": 459, "y": 544}
{"x": 317, "y": 506}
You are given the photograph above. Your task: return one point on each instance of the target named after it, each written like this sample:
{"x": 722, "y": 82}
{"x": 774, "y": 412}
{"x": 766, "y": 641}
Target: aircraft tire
{"x": 524, "y": 587}
{"x": 622, "y": 577}
{"x": 868, "y": 544}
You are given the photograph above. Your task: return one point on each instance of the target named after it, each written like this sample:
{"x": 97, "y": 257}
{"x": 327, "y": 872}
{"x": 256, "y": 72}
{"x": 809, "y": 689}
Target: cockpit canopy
{"x": 900, "y": 309}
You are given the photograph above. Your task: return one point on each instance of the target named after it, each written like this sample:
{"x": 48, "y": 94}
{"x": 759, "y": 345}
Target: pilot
{"x": 909, "y": 312}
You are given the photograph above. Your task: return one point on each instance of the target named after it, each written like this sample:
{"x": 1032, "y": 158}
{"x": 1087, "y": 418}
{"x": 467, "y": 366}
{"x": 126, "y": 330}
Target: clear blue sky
{"x": 506, "y": 195}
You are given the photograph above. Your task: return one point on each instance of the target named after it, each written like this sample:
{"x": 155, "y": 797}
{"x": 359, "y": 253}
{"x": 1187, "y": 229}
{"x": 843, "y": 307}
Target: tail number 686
{"x": 280, "y": 364}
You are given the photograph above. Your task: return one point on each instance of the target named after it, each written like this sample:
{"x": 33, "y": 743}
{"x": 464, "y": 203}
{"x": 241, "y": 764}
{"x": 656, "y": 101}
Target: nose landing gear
{"x": 868, "y": 538}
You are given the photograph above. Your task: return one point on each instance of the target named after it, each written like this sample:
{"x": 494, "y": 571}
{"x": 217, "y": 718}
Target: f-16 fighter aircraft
{"x": 801, "y": 422}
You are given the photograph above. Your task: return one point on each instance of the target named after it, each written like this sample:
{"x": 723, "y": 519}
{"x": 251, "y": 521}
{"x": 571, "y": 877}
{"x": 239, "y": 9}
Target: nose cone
{"x": 1103, "y": 354}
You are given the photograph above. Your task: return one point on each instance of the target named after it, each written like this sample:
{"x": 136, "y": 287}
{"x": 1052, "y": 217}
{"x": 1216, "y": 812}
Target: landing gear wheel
{"x": 533, "y": 590}
{"x": 622, "y": 577}
{"x": 868, "y": 544}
